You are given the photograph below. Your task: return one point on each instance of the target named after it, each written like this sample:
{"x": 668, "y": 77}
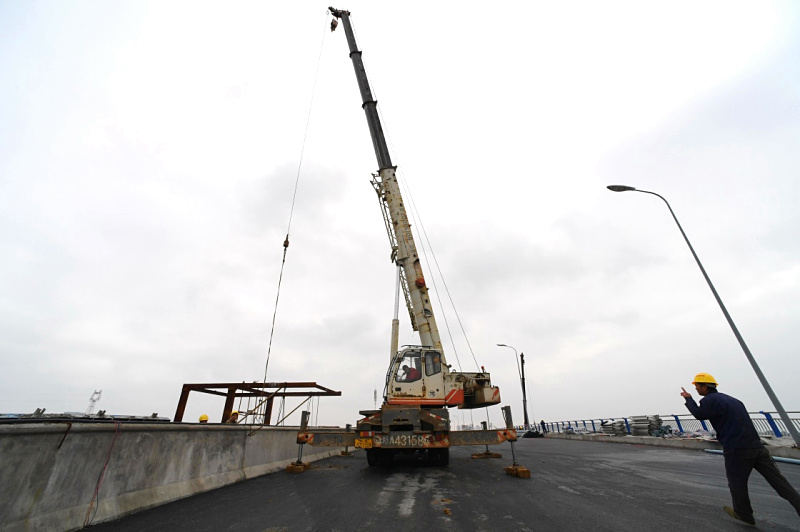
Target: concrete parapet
{"x": 774, "y": 448}
{"x": 49, "y": 471}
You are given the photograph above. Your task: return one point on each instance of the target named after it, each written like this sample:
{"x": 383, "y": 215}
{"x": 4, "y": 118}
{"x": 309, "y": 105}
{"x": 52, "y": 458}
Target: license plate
{"x": 364, "y": 443}
{"x": 407, "y": 441}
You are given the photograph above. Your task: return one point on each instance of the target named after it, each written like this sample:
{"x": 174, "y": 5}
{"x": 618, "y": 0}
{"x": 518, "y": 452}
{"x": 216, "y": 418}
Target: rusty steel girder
{"x": 265, "y": 391}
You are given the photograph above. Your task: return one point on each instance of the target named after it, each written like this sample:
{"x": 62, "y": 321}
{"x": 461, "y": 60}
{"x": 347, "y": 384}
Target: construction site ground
{"x": 574, "y": 485}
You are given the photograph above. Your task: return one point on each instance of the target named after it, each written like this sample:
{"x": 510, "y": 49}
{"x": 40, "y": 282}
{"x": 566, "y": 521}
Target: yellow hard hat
{"x": 204, "y": 418}
{"x": 235, "y": 412}
{"x": 704, "y": 378}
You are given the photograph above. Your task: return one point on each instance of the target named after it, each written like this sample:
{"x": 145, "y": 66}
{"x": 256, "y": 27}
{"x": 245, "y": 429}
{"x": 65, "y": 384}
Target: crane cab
{"x": 419, "y": 376}
{"x": 416, "y": 376}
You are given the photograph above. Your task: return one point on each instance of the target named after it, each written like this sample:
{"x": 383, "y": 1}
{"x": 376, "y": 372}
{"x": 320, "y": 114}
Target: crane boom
{"x": 369, "y": 104}
{"x": 404, "y": 250}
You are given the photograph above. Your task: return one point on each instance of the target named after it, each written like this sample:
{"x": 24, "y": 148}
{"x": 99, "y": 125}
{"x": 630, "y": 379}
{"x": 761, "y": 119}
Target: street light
{"x": 521, "y": 371}
{"x": 784, "y": 416}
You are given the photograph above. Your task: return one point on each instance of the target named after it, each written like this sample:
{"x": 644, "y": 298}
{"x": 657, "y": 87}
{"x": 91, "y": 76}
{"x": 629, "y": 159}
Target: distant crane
{"x": 93, "y": 402}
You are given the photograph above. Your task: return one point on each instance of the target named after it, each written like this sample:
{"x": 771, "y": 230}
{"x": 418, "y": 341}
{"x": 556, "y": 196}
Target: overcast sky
{"x": 149, "y": 153}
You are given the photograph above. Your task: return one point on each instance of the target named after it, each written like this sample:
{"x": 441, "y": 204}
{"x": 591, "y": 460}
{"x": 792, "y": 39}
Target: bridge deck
{"x": 575, "y": 485}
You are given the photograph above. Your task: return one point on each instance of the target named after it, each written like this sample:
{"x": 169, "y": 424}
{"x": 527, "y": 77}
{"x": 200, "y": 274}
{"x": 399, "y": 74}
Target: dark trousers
{"x": 738, "y": 465}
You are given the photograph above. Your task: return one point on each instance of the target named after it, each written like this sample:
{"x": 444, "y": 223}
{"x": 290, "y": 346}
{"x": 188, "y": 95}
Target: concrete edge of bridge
{"x": 774, "y": 448}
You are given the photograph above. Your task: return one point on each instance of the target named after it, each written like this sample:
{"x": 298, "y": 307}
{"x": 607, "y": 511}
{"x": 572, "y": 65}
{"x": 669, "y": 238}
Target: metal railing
{"x": 764, "y": 423}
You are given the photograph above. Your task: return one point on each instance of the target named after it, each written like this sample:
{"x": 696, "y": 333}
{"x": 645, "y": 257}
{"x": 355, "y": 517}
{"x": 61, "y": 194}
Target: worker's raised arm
{"x": 698, "y": 411}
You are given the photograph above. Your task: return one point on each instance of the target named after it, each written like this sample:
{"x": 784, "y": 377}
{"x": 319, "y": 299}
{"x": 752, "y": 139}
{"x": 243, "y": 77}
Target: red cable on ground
{"x": 86, "y": 520}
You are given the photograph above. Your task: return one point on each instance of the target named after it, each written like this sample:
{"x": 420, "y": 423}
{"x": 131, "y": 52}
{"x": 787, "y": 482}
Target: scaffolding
{"x": 258, "y": 397}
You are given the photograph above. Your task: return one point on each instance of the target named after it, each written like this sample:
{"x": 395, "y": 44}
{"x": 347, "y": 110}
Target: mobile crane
{"x": 420, "y": 386}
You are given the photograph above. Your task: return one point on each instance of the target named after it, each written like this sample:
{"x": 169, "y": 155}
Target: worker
{"x": 411, "y": 374}
{"x": 234, "y": 417}
{"x": 544, "y": 427}
{"x": 204, "y": 419}
{"x": 741, "y": 444}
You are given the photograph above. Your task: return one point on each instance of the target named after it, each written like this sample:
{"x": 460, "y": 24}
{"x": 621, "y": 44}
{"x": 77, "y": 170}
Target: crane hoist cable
{"x": 294, "y": 197}
{"x": 424, "y": 235}
{"x": 423, "y": 241}
{"x": 417, "y": 219}
{"x": 415, "y": 216}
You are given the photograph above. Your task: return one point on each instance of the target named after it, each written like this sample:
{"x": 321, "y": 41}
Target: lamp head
{"x": 620, "y": 188}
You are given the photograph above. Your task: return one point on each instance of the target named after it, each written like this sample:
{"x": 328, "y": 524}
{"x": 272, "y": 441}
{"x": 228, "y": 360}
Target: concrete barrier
{"x": 781, "y": 449}
{"x": 49, "y": 472}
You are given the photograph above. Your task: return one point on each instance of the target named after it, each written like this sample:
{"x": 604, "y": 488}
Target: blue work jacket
{"x": 729, "y": 418}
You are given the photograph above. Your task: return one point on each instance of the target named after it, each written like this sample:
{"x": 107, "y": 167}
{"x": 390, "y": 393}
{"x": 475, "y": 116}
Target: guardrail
{"x": 765, "y": 423}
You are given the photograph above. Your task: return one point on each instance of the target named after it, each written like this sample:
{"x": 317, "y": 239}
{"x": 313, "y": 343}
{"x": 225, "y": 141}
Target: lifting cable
{"x": 294, "y": 198}
{"x": 423, "y": 234}
{"x": 418, "y": 221}
{"x": 449, "y": 296}
{"x": 424, "y": 239}
{"x": 415, "y": 217}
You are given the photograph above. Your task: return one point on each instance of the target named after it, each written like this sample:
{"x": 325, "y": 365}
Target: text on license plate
{"x": 364, "y": 443}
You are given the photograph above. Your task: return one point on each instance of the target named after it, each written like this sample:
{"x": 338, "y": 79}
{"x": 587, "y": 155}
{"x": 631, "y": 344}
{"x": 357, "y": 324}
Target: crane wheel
{"x": 380, "y": 457}
{"x": 439, "y": 457}
{"x": 372, "y": 457}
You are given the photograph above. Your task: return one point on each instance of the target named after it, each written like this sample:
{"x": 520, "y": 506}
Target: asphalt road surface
{"x": 574, "y": 485}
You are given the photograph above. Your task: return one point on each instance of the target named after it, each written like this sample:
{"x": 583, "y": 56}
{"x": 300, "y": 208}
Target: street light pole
{"x": 521, "y": 372}
{"x": 774, "y": 398}
{"x": 524, "y": 393}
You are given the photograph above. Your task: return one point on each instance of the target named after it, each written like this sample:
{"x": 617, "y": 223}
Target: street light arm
{"x": 516, "y": 357}
{"x": 761, "y": 377}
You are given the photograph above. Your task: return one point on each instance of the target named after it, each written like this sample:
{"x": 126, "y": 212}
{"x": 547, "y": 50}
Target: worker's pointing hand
{"x": 684, "y": 393}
